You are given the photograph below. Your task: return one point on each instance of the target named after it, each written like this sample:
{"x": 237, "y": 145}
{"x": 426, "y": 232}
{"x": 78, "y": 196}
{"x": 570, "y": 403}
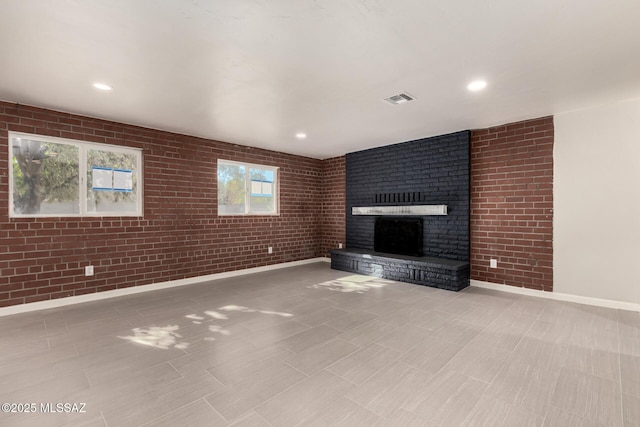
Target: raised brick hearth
{"x": 429, "y": 271}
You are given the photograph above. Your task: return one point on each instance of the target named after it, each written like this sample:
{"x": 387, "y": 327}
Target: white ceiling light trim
{"x": 477, "y": 85}
{"x": 102, "y": 86}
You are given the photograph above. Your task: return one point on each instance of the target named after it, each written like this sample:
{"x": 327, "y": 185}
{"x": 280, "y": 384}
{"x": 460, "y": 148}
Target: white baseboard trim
{"x": 599, "y": 302}
{"x": 61, "y": 302}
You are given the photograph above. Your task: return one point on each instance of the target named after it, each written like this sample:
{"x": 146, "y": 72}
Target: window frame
{"x": 247, "y": 188}
{"x": 83, "y": 147}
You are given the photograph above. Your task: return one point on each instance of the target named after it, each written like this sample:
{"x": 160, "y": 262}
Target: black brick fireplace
{"x": 430, "y": 171}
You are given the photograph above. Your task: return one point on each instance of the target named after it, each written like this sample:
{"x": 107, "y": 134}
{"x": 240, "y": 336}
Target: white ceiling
{"x": 257, "y": 72}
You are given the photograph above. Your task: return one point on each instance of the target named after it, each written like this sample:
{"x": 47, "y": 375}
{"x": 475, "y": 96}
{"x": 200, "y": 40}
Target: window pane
{"x": 231, "y": 188}
{"x": 262, "y": 204}
{"x": 262, "y": 197}
{"x": 45, "y": 177}
{"x": 111, "y": 182}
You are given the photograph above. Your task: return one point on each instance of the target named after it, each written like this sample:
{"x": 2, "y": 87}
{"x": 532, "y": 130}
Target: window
{"x": 246, "y": 189}
{"x": 61, "y": 177}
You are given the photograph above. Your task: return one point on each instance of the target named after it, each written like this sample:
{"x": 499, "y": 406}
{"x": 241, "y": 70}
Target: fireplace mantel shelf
{"x": 418, "y": 210}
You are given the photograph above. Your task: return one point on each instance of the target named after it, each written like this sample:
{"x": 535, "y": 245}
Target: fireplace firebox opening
{"x": 398, "y": 235}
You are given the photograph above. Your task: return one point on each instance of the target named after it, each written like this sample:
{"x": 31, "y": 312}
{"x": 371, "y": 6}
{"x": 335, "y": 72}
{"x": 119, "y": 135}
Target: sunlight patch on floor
{"x": 216, "y": 315}
{"x": 167, "y": 337}
{"x": 158, "y": 337}
{"x": 356, "y": 283}
{"x": 219, "y": 329}
{"x": 251, "y": 310}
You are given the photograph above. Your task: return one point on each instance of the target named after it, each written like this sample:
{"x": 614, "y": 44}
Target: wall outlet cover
{"x": 493, "y": 263}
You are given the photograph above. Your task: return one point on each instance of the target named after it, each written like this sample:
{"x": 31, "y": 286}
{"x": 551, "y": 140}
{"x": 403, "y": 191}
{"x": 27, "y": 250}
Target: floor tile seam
{"x": 217, "y": 338}
{"x": 23, "y": 387}
{"x": 486, "y": 386}
{"x": 347, "y": 330}
{"x": 104, "y": 419}
{"x": 546, "y": 417}
{"x": 132, "y": 386}
{"x": 249, "y": 367}
{"x": 254, "y": 409}
{"x": 618, "y": 380}
{"x": 306, "y": 376}
{"x": 472, "y": 410}
{"x": 167, "y": 414}
{"x": 402, "y": 353}
{"x": 313, "y": 346}
{"x": 338, "y": 338}
{"x": 361, "y": 325}
{"x": 178, "y": 372}
{"x": 91, "y": 386}
{"x": 456, "y": 343}
{"x": 395, "y": 359}
{"x": 523, "y": 335}
{"x": 347, "y": 380}
{"x": 313, "y": 326}
{"x": 505, "y": 312}
{"x": 17, "y": 355}
{"x": 358, "y": 405}
{"x": 546, "y": 406}
{"x": 432, "y": 331}
{"x": 406, "y": 367}
{"x": 486, "y": 304}
{"x": 364, "y": 310}
{"x": 471, "y": 342}
{"x": 478, "y": 340}
{"x": 552, "y": 403}
{"x": 403, "y": 408}
{"x": 637, "y": 399}
{"x": 259, "y": 416}
{"x": 538, "y": 316}
{"x": 445, "y": 368}
{"x": 236, "y": 385}
{"x": 578, "y": 415}
{"x": 450, "y": 313}
{"x": 66, "y": 326}
{"x": 504, "y": 367}
{"x": 155, "y": 365}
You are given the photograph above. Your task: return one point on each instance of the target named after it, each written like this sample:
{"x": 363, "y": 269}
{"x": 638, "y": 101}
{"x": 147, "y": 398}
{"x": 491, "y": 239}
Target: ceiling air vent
{"x": 399, "y": 99}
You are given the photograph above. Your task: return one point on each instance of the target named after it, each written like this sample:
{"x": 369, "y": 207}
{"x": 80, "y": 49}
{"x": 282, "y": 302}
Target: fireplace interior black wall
{"x": 402, "y": 236}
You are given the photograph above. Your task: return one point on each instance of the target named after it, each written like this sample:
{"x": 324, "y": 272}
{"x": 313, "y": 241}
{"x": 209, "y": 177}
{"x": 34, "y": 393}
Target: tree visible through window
{"x": 47, "y": 175}
{"x": 44, "y": 172}
{"x": 246, "y": 189}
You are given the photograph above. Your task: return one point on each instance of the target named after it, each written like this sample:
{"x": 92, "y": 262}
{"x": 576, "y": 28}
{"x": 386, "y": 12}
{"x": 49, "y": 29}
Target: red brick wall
{"x": 332, "y": 220}
{"x": 180, "y": 234}
{"x": 512, "y": 204}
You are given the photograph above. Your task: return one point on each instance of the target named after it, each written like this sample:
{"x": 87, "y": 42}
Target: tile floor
{"x": 310, "y": 346}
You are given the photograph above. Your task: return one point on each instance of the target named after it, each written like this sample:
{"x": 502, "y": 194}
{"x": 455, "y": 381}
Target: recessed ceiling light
{"x": 102, "y": 86}
{"x": 477, "y": 85}
{"x": 301, "y": 135}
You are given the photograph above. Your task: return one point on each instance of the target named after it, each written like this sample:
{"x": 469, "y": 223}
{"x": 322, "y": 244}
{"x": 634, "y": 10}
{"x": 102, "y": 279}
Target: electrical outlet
{"x": 340, "y": 245}
{"x": 88, "y": 270}
{"x": 270, "y": 250}
{"x": 493, "y": 263}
